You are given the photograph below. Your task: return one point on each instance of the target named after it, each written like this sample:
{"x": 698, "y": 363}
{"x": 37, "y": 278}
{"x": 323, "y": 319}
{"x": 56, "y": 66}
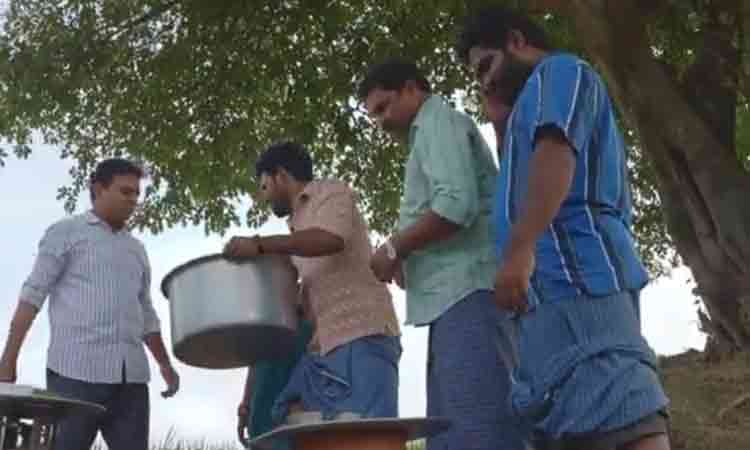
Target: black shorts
{"x": 651, "y": 425}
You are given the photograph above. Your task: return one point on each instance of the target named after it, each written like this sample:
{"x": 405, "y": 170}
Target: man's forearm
{"x": 430, "y": 228}
{"x": 22, "y": 320}
{"x": 309, "y": 243}
{"x": 550, "y": 178}
{"x": 155, "y": 345}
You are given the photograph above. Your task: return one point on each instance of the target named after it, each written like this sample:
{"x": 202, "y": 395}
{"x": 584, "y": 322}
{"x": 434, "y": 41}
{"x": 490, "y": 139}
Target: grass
{"x": 171, "y": 442}
{"x": 416, "y": 445}
{"x": 710, "y": 402}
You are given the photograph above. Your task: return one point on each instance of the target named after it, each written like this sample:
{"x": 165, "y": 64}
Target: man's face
{"x": 391, "y": 110}
{"x": 272, "y": 191}
{"x": 495, "y": 110}
{"x": 120, "y": 198}
{"x": 501, "y": 76}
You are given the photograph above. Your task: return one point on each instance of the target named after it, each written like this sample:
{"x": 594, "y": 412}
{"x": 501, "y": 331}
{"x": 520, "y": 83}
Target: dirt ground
{"x": 710, "y": 401}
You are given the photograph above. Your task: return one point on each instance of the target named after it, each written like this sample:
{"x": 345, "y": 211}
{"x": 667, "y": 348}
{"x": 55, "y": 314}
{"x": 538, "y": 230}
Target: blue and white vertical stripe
{"x": 98, "y": 284}
{"x": 588, "y": 249}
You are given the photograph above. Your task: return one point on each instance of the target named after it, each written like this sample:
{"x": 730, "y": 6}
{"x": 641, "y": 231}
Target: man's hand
{"x": 382, "y": 266}
{"x": 172, "y": 379}
{"x": 513, "y": 277}
{"x": 19, "y": 326}
{"x": 550, "y": 176}
{"x": 7, "y": 371}
{"x": 242, "y": 247}
{"x": 243, "y": 424}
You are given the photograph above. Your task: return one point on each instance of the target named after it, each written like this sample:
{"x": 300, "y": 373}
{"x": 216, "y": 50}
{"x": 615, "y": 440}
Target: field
{"x": 710, "y": 402}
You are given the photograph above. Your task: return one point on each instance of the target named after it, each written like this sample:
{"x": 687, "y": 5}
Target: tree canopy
{"x": 196, "y": 89}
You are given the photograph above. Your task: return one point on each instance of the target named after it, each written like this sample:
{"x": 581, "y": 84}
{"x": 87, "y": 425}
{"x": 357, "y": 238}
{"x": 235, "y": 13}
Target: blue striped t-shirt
{"x": 588, "y": 249}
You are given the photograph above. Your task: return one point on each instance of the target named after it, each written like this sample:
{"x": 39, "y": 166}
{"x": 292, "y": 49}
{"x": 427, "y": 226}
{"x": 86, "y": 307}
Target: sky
{"x": 204, "y": 409}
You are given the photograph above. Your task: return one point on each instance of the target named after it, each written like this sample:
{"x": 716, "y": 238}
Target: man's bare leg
{"x": 656, "y": 442}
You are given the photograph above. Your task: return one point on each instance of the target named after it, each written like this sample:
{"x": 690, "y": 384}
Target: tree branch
{"x": 155, "y": 12}
{"x": 711, "y": 82}
{"x": 545, "y": 6}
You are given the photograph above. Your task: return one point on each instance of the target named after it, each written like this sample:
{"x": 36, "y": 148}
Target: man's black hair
{"x": 392, "y": 75}
{"x": 490, "y": 27}
{"x": 108, "y": 169}
{"x": 286, "y": 155}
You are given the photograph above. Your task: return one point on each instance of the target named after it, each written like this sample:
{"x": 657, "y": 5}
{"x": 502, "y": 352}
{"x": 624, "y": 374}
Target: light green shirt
{"x": 450, "y": 171}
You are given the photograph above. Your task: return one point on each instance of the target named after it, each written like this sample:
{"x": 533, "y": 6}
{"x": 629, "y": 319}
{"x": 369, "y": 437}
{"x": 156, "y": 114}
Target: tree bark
{"x": 687, "y": 131}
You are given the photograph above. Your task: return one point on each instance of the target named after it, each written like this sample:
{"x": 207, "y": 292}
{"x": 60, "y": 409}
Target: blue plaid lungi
{"x": 585, "y": 367}
{"x": 359, "y": 377}
{"x": 472, "y": 350}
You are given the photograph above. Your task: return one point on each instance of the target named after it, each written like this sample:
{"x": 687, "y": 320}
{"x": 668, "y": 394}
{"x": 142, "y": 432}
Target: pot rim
{"x": 186, "y": 265}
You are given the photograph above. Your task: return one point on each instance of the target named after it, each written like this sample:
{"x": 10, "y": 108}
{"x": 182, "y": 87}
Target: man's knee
{"x": 656, "y": 442}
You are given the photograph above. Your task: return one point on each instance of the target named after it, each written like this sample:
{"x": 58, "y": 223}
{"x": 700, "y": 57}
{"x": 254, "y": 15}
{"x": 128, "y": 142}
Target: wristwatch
{"x": 390, "y": 250}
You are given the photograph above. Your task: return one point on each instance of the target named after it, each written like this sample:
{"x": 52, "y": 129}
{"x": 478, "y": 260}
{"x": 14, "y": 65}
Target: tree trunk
{"x": 687, "y": 130}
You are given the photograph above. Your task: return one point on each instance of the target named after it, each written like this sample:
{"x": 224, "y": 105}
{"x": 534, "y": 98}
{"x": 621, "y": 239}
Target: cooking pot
{"x": 227, "y": 314}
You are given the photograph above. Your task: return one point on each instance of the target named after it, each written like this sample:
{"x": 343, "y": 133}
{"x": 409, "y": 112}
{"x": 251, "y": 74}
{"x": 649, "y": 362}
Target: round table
{"x": 351, "y": 433}
{"x": 28, "y": 416}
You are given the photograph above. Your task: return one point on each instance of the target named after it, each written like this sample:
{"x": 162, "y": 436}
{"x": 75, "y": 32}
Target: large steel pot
{"x": 227, "y": 314}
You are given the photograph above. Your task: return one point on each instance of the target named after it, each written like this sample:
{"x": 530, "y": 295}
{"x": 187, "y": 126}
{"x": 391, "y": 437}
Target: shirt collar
{"x": 93, "y": 219}
{"x": 303, "y": 197}
{"x": 428, "y": 106}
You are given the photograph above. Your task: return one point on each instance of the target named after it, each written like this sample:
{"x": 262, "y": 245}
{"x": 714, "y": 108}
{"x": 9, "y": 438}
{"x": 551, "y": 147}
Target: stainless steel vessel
{"x": 227, "y": 314}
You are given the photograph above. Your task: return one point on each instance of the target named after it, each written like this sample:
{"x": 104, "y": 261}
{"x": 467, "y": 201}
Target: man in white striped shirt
{"x": 98, "y": 280}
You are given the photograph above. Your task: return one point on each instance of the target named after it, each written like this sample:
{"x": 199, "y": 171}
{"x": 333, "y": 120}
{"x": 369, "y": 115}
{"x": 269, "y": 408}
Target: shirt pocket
{"x": 84, "y": 261}
{"x": 133, "y": 267}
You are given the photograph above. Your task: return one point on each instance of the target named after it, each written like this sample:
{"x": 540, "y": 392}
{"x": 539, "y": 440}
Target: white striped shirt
{"x": 98, "y": 282}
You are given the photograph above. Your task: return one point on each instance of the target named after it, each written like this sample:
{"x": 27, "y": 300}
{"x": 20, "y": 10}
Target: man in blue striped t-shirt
{"x": 568, "y": 268}
{"x": 98, "y": 281}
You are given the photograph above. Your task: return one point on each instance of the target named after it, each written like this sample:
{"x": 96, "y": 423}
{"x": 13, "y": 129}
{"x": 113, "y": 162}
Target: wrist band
{"x": 390, "y": 250}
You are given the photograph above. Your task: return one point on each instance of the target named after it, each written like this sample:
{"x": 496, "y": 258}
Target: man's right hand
{"x": 7, "y": 372}
{"x": 243, "y": 424}
{"x": 242, "y": 247}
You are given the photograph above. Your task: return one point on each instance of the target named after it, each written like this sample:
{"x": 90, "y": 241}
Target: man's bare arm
{"x": 22, "y": 320}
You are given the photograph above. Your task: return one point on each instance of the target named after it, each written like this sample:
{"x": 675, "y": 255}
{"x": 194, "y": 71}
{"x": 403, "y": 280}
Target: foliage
{"x": 196, "y": 89}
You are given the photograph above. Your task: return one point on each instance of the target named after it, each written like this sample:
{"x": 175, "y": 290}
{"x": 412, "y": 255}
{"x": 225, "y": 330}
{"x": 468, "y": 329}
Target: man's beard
{"x": 281, "y": 209}
{"x": 395, "y": 129}
{"x": 511, "y": 78}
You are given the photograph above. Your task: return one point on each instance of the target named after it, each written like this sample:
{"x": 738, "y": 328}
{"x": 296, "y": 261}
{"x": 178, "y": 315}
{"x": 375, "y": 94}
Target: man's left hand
{"x": 513, "y": 277}
{"x": 242, "y": 247}
{"x": 171, "y": 378}
{"x": 243, "y": 424}
{"x": 382, "y": 266}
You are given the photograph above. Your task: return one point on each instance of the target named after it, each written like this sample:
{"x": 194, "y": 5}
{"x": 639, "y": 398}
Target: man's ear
{"x": 410, "y": 86}
{"x": 516, "y": 41}
{"x": 97, "y": 187}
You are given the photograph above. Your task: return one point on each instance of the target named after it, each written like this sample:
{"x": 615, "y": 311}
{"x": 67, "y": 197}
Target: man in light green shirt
{"x": 443, "y": 256}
